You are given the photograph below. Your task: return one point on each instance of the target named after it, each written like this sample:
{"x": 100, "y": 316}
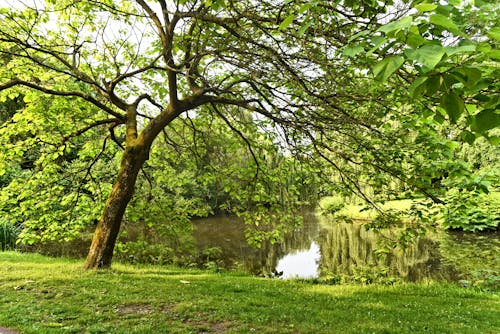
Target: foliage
{"x": 449, "y": 53}
{"x": 54, "y": 186}
{"x": 352, "y": 92}
{"x": 331, "y": 205}
{"x": 42, "y": 295}
{"x": 8, "y": 235}
{"x": 471, "y": 211}
{"x": 144, "y": 252}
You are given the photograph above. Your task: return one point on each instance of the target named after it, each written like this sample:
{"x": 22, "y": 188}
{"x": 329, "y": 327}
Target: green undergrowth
{"x": 46, "y": 295}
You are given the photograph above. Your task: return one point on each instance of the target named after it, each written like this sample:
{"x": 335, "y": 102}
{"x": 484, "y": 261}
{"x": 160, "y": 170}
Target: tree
{"x": 449, "y": 54}
{"x": 135, "y": 66}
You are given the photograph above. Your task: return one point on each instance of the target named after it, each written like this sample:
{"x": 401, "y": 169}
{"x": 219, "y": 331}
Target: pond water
{"x": 327, "y": 249}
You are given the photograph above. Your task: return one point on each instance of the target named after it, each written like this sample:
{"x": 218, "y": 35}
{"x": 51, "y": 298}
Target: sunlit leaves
{"x": 394, "y": 27}
{"x": 463, "y": 49}
{"x": 215, "y": 4}
{"x": 494, "y": 33}
{"x": 448, "y": 71}
{"x": 286, "y": 22}
{"x": 384, "y": 69}
{"x": 445, "y": 22}
{"x": 428, "y": 55}
{"x": 351, "y": 51}
{"x": 426, "y": 7}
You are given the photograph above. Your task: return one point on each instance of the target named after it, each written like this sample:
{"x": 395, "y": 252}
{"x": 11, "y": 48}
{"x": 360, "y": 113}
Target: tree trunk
{"x": 103, "y": 241}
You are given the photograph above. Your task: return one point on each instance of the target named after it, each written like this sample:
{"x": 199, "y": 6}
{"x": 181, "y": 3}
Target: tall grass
{"x": 8, "y": 235}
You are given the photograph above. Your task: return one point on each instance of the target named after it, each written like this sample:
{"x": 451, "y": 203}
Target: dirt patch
{"x": 168, "y": 309}
{"x": 220, "y": 327}
{"x": 208, "y": 327}
{"x": 4, "y": 330}
{"x": 135, "y": 309}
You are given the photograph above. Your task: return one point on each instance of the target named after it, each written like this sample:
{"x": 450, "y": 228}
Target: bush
{"x": 141, "y": 251}
{"x": 470, "y": 211}
{"x": 8, "y": 235}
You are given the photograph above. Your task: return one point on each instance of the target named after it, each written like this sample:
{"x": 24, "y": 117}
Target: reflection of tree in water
{"x": 228, "y": 233}
{"x": 472, "y": 252}
{"x": 348, "y": 248}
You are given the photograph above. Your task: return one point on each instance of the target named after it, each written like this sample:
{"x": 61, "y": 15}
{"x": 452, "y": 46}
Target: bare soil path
{"x": 4, "y": 330}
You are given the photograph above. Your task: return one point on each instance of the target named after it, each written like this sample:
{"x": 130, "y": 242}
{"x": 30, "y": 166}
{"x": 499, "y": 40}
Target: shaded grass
{"x": 44, "y": 295}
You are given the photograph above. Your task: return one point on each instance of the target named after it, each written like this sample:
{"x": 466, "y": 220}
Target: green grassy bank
{"x": 45, "y": 295}
{"x": 354, "y": 211}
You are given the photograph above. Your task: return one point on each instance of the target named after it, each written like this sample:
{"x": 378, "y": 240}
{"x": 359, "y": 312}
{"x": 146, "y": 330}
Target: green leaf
{"x": 387, "y": 66}
{"x": 351, "y": 51}
{"x": 417, "y": 86}
{"x": 468, "y": 137}
{"x": 454, "y": 106}
{"x": 494, "y": 33}
{"x": 305, "y": 7}
{"x": 445, "y": 22}
{"x": 483, "y": 47}
{"x": 359, "y": 34}
{"x": 377, "y": 41}
{"x": 414, "y": 39}
{"x": 433, "y": 84}
{"x": 486, "y": 120}
{"x": 304, "y": 28}
{"x": 286, "y": 22}
{"x": 494, "y": 140}
{"x": 451, "y": 50}
{"x": 473, "y": 76}
{"x": 405, "y": 22}
{"x": 428, "y": 55}
{"x": 494, "y": 54}
{"x": 425, "y": 7}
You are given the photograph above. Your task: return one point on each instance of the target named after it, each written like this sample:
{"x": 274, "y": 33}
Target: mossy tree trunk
{"x": 105, "y": 235}
{"x": 137, "y": 147}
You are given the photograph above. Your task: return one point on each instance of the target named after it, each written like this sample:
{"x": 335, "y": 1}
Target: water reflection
{"x": 304, "y": 264}
{"x": 349, "y": 248}
{"x": 228, "y": 233}
{"x": 327, "y": 248}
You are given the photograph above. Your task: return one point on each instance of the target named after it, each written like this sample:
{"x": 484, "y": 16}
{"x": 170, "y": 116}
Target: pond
{"x": 322, "y": 248}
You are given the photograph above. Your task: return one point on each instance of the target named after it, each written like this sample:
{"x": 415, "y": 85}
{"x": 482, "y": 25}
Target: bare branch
{"x": 91, "y": 126}
{"x": 241, "y": 135}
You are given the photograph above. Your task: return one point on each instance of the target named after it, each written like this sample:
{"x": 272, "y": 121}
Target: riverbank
{"x": 46, "y": 295}
{"x": 361, "y": 212}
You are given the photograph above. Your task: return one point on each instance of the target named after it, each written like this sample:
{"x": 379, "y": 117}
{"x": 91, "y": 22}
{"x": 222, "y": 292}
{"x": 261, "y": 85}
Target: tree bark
{"x": 104, "y": 239}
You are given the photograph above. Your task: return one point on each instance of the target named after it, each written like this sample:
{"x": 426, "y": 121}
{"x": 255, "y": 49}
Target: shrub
{"x": 470, "y": 211}
{"x": 8, "y": 235}
{"x": 141, "y": 251}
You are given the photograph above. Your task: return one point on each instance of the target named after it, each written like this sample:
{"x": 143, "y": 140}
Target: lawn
{"x": 46, "y": 295}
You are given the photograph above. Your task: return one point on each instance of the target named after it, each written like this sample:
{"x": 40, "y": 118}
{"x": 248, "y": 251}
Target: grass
{"x": 354, "y": 211}
{"x": 46, "y": 295}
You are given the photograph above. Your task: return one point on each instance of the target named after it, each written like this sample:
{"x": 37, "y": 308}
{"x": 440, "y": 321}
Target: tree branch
{"x": 85, "y": 96}
{"x": 241, "y": 135}
{"x": 90, "y": 126}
